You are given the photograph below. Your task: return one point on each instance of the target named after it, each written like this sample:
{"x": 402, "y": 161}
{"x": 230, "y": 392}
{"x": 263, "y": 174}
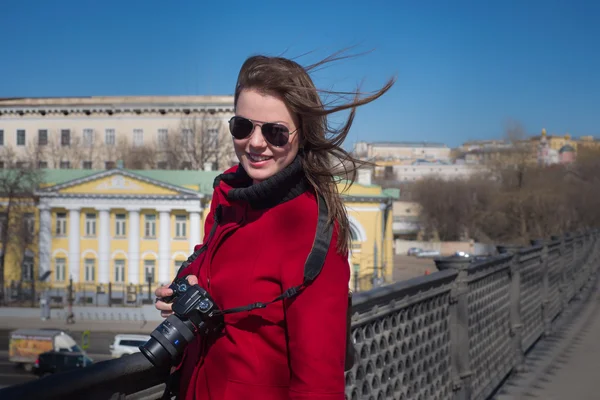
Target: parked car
{"x": 413, "y": 251}
{"x": 428, "y": 253}
{"x": 52, "y": 362}
{"x": 25, "y": 345}
{"x": 125, "y": 344}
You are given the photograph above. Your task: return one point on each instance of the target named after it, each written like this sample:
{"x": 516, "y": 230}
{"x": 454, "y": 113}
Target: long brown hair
{"x": 320, "y": 143}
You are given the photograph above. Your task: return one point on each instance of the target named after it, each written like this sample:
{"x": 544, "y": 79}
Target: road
{"x": 10, "y": 374}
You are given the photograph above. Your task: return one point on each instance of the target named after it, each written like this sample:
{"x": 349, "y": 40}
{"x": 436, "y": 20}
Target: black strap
{"x": 312, "y": 266}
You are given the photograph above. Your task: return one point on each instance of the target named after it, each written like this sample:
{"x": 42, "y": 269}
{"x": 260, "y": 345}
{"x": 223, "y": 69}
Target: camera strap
{"x": 312, "y": 266}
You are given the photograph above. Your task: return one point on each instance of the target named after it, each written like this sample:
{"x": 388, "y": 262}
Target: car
{"x": 126, "y": 344}
{"x": 413, "y": 251}
{"x": 52, "y": 362}
{"x": 462, "y": 254}
{"x": 428, "y": 253}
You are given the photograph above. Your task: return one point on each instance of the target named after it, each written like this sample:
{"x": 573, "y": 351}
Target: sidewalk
{"x": 567, "y": 365}
{"x": 9, "y": 323}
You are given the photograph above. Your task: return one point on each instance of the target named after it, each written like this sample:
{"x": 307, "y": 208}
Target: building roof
{"x": 200, "y": 181}
{"x": 115, "y": 104}
{"x": 111, "y": 100}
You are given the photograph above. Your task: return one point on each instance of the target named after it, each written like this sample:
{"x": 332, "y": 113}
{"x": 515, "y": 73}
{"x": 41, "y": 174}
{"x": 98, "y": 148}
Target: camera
{"x": 194, "y": 313}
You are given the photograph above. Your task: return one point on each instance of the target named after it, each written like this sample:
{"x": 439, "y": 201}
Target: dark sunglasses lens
{"x": 276, "y": 134}
{"x": 240, "y": 128}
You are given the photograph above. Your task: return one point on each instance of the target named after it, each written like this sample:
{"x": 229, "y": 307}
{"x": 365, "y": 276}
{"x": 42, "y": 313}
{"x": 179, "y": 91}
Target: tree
{"x": 17, "y": 213}
{"x": 65, "y": 147}
{"x": 198, "y": 143}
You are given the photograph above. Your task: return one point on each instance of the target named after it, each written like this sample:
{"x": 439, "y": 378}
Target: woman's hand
{"x": 164, "y": 291}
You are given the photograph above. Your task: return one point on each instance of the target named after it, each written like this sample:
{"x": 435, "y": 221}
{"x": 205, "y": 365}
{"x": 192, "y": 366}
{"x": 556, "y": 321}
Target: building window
{"x": 119, "y": 271}
{"x": 21, "y": 164}
{"x": 180, "y": 225}
{"x": 109, "y": 164}
{"x": 27, "y": 268}
{"x": 42, "y": 164}
{"x": 65, "y": 137}
{"x": 88, "y": 137}
{"x": 90, "y": 224}
{"x": 87, "y": 165}
{"x": 213, "y": 135}
{"x": 138, "y": 137}
{"x": 20, "y": 137}
{"x": 109, "y": 137}
{"x": 162, "y": 165}
{"x": 149, "y": 270}
{"x": 60, "y": 265}
{"x": 29, "y": 223}
{"x": 90, "y": 270}
{"x": 65, "y": 165}
{"x": 163, "y": 137}
{"x": 61, "y": 224}
{"x": 1, "y": 164}
{"x": 42, "y": 137}
{"x": 120, "y": 225}
{"x": 187, "y": 136}
{"x": 3, "y": 224}
{"x": 150, "y": 225}
{"x": 187, "y": 165}
{"x": 176, "y": 266}
{"x": 1, "y": 137}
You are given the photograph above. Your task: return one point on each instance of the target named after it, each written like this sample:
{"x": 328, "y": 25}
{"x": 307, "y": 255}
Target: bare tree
{"x": 198, "y": 143}
{"x": 17, "y": 213}
{"x": 63, "y": 147}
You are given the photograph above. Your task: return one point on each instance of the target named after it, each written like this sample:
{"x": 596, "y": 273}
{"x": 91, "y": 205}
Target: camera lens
{"x": 168, "y": 340}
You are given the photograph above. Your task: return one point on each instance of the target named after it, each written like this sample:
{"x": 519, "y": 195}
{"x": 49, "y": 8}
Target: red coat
{"x": 290, "y": 350}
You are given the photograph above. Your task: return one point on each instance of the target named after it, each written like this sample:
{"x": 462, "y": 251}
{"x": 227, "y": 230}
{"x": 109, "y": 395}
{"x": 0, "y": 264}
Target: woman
{"x": 266, "y": 226}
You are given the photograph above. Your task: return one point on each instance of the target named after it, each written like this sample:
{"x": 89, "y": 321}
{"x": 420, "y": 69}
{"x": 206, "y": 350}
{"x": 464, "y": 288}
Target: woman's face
{"x": 258, "y": 157}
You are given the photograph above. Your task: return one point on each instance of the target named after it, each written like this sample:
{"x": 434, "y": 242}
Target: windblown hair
{"x": 319, "y": 142}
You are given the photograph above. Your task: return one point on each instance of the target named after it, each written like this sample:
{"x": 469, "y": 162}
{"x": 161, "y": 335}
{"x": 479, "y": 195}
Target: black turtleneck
{"x": 285, "y": 185}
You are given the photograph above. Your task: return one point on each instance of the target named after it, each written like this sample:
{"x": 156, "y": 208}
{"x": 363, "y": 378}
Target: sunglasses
{"x": 275, "y": 134}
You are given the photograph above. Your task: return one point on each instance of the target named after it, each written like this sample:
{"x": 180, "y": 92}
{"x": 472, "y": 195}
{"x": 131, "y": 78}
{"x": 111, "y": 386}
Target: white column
{"x": 133, "y": 237}
{"x": 45, "y": 239}
{"x": 74, "y": 251}
{"x": 195, "y": 228}
{"x": 104, "y": 245}
{"x": 164, "y": 244}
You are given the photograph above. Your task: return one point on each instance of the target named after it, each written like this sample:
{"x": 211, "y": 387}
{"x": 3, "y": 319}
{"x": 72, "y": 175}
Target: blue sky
{"x": 464, "y": 68}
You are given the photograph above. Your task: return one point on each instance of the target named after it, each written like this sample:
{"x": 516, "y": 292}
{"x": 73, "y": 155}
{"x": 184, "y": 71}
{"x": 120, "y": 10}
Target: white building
{"x": 95, "y": 132}
{"x": 402, "y": 151}
{"x": 422, "y": 169}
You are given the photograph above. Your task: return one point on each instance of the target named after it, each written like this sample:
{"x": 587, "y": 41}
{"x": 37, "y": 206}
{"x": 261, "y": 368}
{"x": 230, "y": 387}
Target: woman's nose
{"x": 257, "y": 139}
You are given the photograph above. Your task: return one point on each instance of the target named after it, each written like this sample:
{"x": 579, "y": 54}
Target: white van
{"x": 126, "y": 344}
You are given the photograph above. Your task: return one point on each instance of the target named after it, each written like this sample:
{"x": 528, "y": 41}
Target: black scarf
{"x": 285, "y": 185}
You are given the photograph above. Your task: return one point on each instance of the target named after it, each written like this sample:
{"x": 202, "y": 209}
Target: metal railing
{"x": 455, "y": 334}
{"x": 114, "y": 379}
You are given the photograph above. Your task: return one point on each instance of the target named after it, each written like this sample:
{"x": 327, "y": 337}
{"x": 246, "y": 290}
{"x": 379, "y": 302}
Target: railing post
{"x": 576, "y": 270}
{"x": 563, "y": 284}
{"x": 545, "y": 290}
{"x": 459, "y": 340}
{"x": 516, "y": 325}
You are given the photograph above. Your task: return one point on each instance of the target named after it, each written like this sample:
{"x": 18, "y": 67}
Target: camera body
{"x": 194, "y": 313}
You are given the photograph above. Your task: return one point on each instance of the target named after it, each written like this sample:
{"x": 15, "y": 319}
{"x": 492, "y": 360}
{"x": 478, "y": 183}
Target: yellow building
{"x": 555, "y": 142}
{"x": 116, "y": 232}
